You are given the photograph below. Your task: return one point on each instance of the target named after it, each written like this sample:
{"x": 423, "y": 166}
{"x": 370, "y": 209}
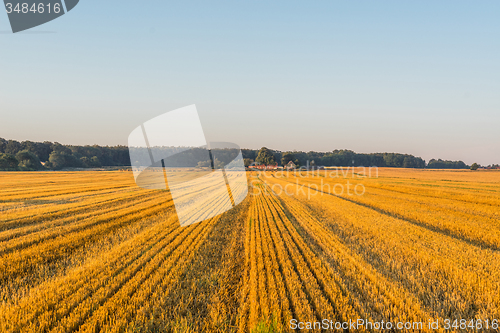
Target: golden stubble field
{"x": 92, "y": 252}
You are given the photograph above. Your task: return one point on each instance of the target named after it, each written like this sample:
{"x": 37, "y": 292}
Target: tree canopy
{"x": 28, "y": 161}
{"x": 287, "y": 157}
{"x": 440, "y": 164}
{"x": 265, "y": 156}
{"x": 8, "y": 162}
{"x": 57, "y": 156}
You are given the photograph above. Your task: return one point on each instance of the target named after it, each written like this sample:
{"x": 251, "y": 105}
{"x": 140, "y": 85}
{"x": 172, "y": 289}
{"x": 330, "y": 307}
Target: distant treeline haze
{"x": 28, "y": 155}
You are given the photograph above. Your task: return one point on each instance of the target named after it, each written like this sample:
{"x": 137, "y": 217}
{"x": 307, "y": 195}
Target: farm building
{"x": 263, "y": 167}
{"x": 290, "y": 166}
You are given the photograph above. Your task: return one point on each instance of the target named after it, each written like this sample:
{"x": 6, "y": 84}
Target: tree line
{"x": 344, "y": 158}
{"x": 28, "y": 155}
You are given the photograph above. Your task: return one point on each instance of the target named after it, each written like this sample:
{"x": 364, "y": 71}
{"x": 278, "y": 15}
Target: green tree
{"x": 85, "y": 161}
{"x": 57, "y": 160}
{"x": 265, "y": 157}
{"x": 218, "y": 164}
{"x": 3, "y": 143}
{"x": 95, "y": 162}
{"x": 247, "y": 161}
{"x": 41, "y": 150}
{"x": 204, "y": 164}
{"x": 8, "y": 162}
{"x": 12, "y": 147}
{"x": 208, "y": 164}
{"x": 408, "y": 162}
{"x": 474, "y": 166}
{"x": 287, "y": 157}
{"x": 28, "y": 161}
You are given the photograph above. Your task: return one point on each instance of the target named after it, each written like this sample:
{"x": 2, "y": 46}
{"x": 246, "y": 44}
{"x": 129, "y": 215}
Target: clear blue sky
{"x": 396, "y": 76}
